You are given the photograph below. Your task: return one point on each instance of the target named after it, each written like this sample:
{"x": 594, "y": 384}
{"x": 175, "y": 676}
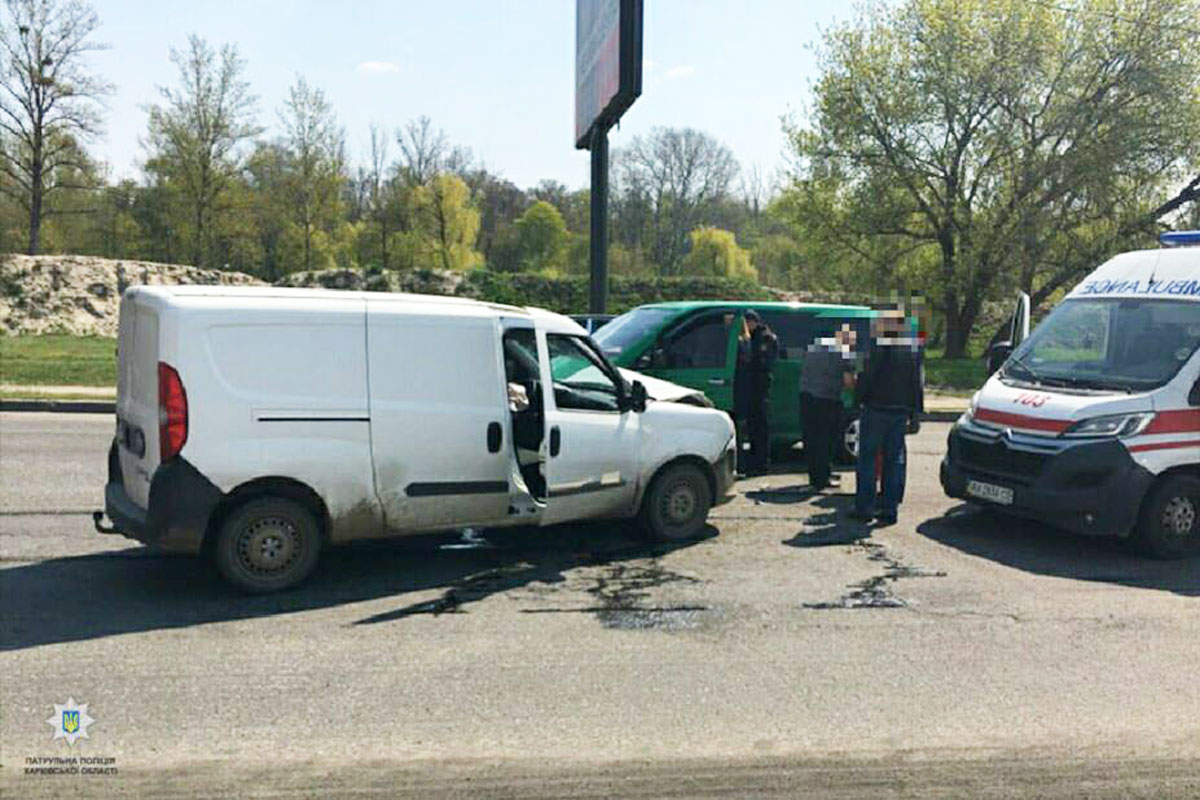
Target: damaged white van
{"x": 1093, "y": 422}
{"x": 260, "y": 425}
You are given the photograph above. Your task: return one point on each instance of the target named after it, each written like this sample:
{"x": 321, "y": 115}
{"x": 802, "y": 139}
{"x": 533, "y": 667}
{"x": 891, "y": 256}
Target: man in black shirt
{"x": 892, "y": 396}
{"x": 762, "y": 351}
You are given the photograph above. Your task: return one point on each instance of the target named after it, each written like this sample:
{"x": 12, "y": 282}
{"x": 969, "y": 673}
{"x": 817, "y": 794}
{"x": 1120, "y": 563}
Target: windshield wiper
{"x": 1017, "y": 361}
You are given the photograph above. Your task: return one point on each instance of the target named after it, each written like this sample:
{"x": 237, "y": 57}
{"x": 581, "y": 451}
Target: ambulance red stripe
{"x": 1021, "y": 420}
{"x": 1142, "y": 448}
{"x": 1183, "y": 421}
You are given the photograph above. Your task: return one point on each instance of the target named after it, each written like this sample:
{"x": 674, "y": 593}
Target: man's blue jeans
{"x": 881, "y": 431}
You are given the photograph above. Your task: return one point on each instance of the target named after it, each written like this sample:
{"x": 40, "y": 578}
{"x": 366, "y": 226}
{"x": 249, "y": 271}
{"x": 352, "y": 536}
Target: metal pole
{"x": 598, "y": 296}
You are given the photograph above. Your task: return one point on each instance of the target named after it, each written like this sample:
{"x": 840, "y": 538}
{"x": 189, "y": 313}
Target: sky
{"x": 496, "y": 75}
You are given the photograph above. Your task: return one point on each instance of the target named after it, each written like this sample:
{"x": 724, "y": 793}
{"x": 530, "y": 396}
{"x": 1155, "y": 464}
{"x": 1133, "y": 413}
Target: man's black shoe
{"x": 858, "y": 516}
{"x": 885, "y": 521}
{"x": 835, "y": 480}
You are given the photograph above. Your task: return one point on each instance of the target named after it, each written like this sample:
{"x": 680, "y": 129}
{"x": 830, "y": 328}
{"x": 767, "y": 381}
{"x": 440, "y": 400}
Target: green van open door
{"x": 695, "y": 345}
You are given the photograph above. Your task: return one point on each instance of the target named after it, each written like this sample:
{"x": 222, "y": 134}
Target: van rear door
{"x": 137, "y": 396}
{"x": 438, "y": 415}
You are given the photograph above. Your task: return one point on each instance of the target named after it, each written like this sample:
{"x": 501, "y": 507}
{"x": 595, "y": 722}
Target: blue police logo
{"x": 70, "y": 721}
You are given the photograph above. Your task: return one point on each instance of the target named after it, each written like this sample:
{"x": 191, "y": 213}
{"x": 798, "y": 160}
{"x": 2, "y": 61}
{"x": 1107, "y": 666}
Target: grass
{"x": 58, "y": 360}
{"x": 954, "y": 375}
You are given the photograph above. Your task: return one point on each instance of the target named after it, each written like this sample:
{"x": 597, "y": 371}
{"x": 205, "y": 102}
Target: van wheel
{"x": 847, "y": 446}
{"x": 268, "y": 544}
{"x": 1170, "y": 521}
{"x": 676, "y": 507}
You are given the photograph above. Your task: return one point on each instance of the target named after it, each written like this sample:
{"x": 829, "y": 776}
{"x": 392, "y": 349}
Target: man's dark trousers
{"x": 819, "y": 419}
{"x": 758, "y": 428}
{"x": 881, "y": 430}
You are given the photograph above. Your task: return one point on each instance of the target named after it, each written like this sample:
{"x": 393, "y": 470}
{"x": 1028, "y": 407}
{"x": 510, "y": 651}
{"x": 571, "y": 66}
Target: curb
{"x": 61, "y": 406}
{"x": 106, "y": 407}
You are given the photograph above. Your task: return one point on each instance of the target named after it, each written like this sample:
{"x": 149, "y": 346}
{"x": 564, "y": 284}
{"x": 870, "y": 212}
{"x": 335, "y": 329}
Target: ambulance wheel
{"x": 676, "y": 506}
{"x": 267, "y": 544}
{"x": 1170, "y": 521}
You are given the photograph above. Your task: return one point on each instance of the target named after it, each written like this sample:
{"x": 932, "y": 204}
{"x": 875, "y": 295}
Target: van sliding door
{"x": 438, "y": 416}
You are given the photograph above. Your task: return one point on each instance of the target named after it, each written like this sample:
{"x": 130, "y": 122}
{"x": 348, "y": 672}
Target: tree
{"x": 672, "y": 179}
{"x": 541, "y": 239}
{"x": 196, "y": 134}
{"x": 315, "y": 159}
{"x": 1013, "y": 142}
{"x": 715, "y": 253}
{"x": 447, "y": 223}
{"x": 49, "y": 100}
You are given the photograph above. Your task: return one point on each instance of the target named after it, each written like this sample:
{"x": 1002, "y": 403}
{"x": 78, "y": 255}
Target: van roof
{"x": 1167, "y": 274}
{"x": 268, "y": 293}
{"x": 761, "y": 305}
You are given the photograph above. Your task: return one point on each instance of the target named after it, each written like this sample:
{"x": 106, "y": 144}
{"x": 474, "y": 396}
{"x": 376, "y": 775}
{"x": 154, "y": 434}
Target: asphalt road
{"x": 955, "y": 654}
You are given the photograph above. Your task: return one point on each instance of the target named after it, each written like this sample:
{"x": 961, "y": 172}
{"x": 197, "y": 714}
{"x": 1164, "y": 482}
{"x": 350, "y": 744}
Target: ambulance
{"x": 1092, "y": 424}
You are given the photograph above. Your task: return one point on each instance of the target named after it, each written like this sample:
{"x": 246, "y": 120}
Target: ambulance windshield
{"x": 1109, "y": 344}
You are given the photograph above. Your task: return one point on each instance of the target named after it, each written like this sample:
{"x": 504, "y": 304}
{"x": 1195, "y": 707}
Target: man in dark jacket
{"x": 826, "y": 371}
{"x": 891, "y": 393}
{"x": 762, "y": 350}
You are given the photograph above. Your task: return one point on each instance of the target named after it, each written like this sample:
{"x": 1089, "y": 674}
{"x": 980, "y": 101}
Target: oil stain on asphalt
{"x": 876, "y": 591}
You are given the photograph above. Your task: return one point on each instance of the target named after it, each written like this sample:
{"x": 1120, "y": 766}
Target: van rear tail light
{"x": 172, "y": 412}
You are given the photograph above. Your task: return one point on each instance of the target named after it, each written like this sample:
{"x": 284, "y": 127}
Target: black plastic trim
{"x": 450, "y": 488}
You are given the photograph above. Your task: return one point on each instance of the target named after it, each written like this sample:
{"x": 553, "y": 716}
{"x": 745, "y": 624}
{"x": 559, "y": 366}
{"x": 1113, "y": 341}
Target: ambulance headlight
{"x": 1111, "y": 426}
{"x": 968, "y": 416}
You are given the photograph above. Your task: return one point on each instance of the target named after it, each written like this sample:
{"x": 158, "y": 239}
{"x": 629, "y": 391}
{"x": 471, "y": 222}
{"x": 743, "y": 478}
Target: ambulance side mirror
{"x": 1194, "y": 395}
{"x": 997, "y": 354}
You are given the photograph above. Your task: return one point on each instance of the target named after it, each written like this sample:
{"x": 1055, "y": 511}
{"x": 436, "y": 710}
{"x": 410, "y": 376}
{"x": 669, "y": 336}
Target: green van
{"x": 694, "y": 344}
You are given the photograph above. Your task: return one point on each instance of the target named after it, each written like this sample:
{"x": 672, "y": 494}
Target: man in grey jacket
{"x": 827, "y": 370}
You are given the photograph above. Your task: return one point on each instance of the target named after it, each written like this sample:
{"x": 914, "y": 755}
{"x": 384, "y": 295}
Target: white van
{"x": 259, "y": 425}
{"x": 1093, "y": 422}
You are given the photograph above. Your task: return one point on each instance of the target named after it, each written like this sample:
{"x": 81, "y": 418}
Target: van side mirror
{"x": 1194, "y": 394}
{"x": 636, "y": 399}
{"x": 997, "y": 354}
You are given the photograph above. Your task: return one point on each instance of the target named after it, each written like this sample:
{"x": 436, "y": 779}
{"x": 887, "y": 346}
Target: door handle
{"x": 716, "y": 381}
{"x": 495, "y": 437}
{"x": 555, "y": 441}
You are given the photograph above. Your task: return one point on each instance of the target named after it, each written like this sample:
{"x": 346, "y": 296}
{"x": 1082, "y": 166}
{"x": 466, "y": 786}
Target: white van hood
{"x": 666, "y": 391}
{"x": 1049, "y": 411}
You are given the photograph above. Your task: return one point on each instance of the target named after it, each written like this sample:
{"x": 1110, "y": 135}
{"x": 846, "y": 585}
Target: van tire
{"x": 676, "y": 506}
{"x": 267, "y": 544}
{"x": 1169, "y": 526}
{"x": 849, "y": 433}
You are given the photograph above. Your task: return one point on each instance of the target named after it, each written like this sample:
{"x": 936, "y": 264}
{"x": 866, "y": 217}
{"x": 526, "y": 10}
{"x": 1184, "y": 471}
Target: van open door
{"x": 1018, "y": 332}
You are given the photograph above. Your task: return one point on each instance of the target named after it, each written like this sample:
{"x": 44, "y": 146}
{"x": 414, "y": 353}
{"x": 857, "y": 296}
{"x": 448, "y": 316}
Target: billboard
{"x": 608, "y": 62}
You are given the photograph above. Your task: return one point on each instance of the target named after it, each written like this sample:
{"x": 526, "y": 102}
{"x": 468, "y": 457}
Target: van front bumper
{"x": 1093, "y": 488}
{"x": 725, "y": 472}
{"x": 181, "y": 502}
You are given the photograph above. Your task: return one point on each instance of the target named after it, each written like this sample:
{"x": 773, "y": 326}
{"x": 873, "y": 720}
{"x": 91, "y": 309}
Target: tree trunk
{"x": 35, "y": 203}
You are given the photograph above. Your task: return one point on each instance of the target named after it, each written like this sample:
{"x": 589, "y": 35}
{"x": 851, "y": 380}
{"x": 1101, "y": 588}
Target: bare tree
{"x": 422, "y": 150}
{"x": 377, "y": 187}
{"x": 679, "y": 175}
{"x": 49, "y": 100}
{"x": 195, "y": 133}
{"x": 316, "y": 158}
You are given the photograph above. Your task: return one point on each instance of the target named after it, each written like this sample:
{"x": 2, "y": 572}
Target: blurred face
{"x": 847, "y": 337}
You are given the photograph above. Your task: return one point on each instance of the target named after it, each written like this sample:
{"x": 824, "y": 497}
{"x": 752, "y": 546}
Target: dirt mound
{"x": 80, "y": 295}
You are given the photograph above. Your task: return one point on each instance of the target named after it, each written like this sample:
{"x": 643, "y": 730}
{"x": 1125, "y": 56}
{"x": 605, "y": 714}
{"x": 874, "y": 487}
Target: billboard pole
{"x": 598, "y": 296}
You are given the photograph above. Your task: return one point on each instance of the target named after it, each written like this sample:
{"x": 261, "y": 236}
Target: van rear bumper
{"x": 181, "y": 502}
{"x": 1090, "y": 488}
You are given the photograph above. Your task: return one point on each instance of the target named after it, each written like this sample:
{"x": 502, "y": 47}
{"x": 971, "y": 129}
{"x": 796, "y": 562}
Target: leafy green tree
{"x": 49, "y": 102}
{"x": 447, "y": 224}
{"x": 542, "y": 239}
{"x": 196, "y": 137}
{"x": 314, "y": 169}
{"x": 715, "y": 253}
{"x": 1014, "y": 141}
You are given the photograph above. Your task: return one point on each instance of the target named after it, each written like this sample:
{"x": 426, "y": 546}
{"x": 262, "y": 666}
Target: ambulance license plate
{"x": 1001, "y": 495}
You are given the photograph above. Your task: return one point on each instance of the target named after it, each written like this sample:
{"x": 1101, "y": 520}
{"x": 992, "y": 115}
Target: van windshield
{"x": 630, "y": 328}
{"x": 1109, "y": 344}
